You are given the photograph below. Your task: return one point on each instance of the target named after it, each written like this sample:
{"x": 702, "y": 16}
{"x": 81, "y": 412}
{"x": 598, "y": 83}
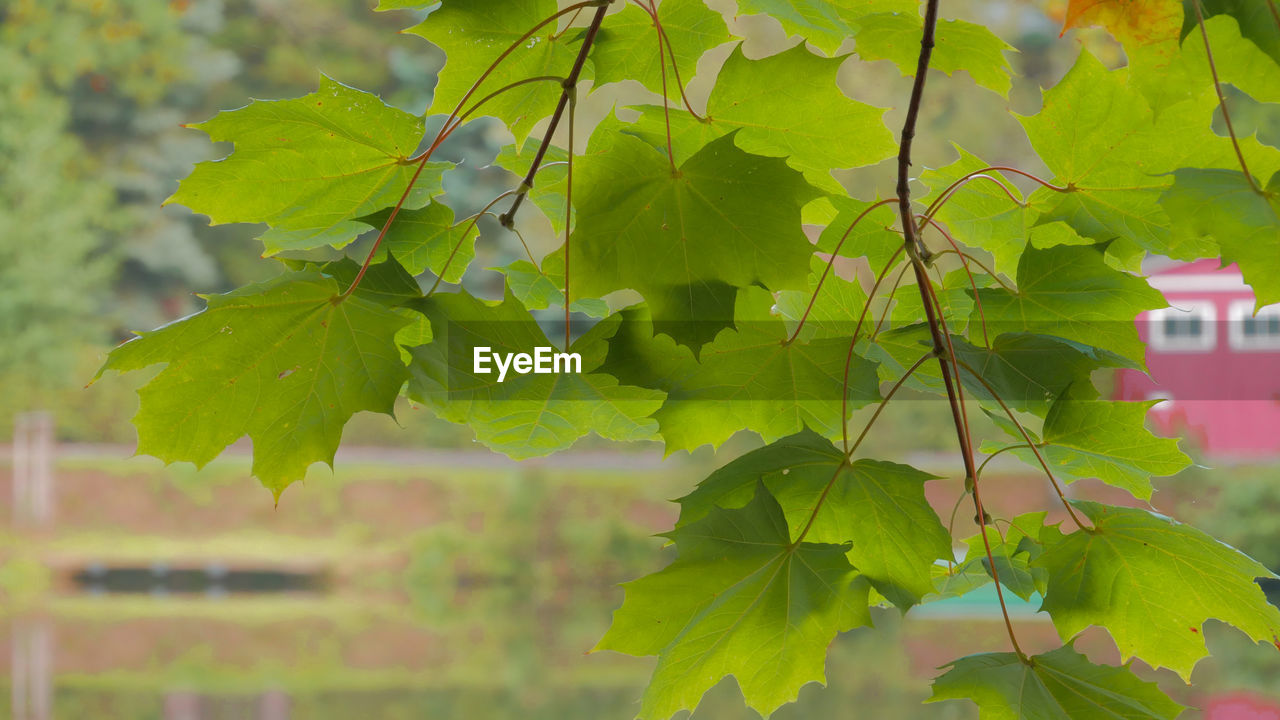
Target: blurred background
{"x": 425, "y": 577}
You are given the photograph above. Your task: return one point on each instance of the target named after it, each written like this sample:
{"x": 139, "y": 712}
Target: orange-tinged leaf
{"x": 1135, "y": 23}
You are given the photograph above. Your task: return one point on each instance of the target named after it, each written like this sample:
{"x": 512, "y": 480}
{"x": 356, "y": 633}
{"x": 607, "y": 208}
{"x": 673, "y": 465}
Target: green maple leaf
{"x": 285, "y": 362}
{"x": 473, "y": 33}
{"x": 960, "y": 45}
{"x": 878, "y": 506}
{"x": 309, "y": 167}
{"x": 825, "y": 24}
{"x": 1013, "y": 554}
{"x": 1245, "y": 223}
{"x": 686, "y": 239}
{"x": 524, "y": 415}
{"x": 741, "y": 599}
{"x": 427, "y": 239}
{"x": 786, "y": 105}
{"x": 1029, "y": 372}
{"x": 980, "y": 214}
{"x": 1099, "y": 138}
{"x": 1255, "y": 22}
{"x": 874, "y": 237}
{"x": 627, "y": 45}
{"x": 833, "y": 313}
{"x": 538, "y": 289}
{"x": 1237, "y": 61}
{"x": 1152, "y": 583}
{"x": 1058, "y": 685}
{"x": 1105, "y": 440}
{"x": 1069, "y": 291}
{"x": 749, "y": 379}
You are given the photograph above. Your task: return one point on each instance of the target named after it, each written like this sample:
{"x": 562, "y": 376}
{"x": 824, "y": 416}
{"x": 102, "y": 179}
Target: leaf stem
{"x": 831, "y": 261}
{"x": 568, "y": 213}
{"x": 570, "y": 86}
{"x": 946, "y": 194}
{"x": 461, "y": 239}
{"x": 813, "y": 515}
{"x": 893, "y": 291}
{"x": 1222, "y": 99}
{"x": 671, "y": 53}
{"x": 1027, "y": 436}
{"x": 666, "y": 103}
{"x": 853, "y": 340}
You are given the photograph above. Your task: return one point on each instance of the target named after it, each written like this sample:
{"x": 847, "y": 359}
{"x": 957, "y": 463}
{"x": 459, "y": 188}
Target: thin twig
{"x": 913, "y": 246}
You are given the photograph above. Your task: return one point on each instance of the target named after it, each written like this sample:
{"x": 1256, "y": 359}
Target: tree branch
{"x": 570, "y": 86}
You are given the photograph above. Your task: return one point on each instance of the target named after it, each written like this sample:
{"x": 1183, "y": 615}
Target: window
{"x": 1250, "y": 332}
{"x": 1188, "y": 326}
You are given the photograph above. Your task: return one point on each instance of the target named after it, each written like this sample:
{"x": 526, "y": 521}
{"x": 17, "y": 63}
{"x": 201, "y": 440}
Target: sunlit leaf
{"x": 739, "y": 600}
{"x": 1058, "y": 685}
{"x": 1152, "y": 583}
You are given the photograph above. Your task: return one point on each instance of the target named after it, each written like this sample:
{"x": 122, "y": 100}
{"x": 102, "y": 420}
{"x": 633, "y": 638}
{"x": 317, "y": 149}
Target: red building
{"x": 1214, "y": 362}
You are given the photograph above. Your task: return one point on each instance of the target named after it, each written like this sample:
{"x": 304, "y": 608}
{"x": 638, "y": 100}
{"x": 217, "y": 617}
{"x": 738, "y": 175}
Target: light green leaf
{"x": 1098, "y": 137}
{"x": 1245, "y": 223}
{"x": 833, "y": 313}
{"x": 1237, "y": 61}
{"x": 1108, "y": 441}
{"x": 874, "y": 237}
{"x": 1255, "y": 22}
{"x": 980, "y": 214}
{"x": 427, "y": 239}
{"x": 685, "y": 240}
{"x": 1057, "y": 685}
{"x": 309, "y": 167}
{"x": 878, "y": 506}
{"x": 1012, "y": 554}
{"x": 538, "y": 289}
{"x": 959, "y": 45}
{"x": 281, "y": 362}
{"x": 786, "y": 105}
{"x": 825, "y": 24}
{"x": 627, "y": 45}
{"x": 550, "y": 185}
{"x": 525, "y": 415}
{"x": 1070, "y": 292}
{"x": 749, "y": 379}
{"x": 1152, "y": 583}
{"x": 473, "y": 33}
{"x": 739, "y": 600}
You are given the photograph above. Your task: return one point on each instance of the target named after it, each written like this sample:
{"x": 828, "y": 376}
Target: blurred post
{"x": 274, "y": 705}
{"x": 181, "y": 705}
{"x": 31, "y": 672}
{"x": 33, "y": 450}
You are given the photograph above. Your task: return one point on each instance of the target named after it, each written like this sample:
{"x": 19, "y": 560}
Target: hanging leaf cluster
{"x": 721, "y": 279}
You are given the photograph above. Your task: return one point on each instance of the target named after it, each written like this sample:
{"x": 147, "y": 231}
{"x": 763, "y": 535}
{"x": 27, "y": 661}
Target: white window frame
{"x": 1237, "y": 312}
{"x": 1205, "y": 310}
